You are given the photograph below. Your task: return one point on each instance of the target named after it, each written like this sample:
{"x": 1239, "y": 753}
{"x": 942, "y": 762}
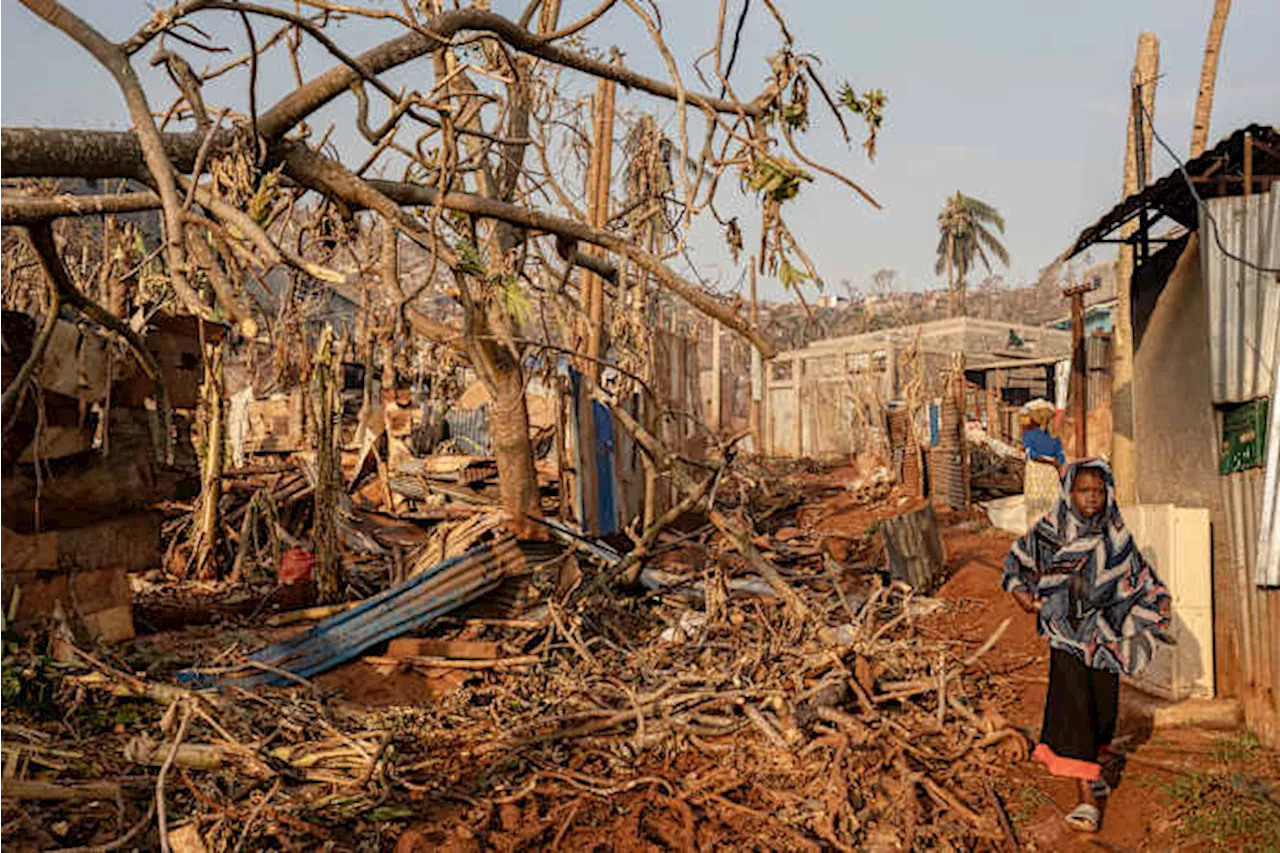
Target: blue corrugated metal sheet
{"x": 606, "y": 472}
{"x": 399, "y": 610}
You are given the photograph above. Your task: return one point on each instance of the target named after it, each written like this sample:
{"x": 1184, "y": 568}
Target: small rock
{"x": 786, "y": 534}
{"x": 845, "y": 635}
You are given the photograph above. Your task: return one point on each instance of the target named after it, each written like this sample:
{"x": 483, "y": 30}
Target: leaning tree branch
{"x": 568, "y": 229}
{"x": 117, "y": 64}
{"x": 433, "y": 35}
{"x": 31, "y": 210}
{"x": 24, "y": 152}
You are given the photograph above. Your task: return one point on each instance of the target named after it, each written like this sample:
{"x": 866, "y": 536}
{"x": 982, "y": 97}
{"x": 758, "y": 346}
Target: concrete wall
{"x": 1176, "y": 430}
{"x": 1175, "y": 427}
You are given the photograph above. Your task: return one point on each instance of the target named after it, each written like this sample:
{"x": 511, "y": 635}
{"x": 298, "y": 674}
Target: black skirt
{"x": 1080, "y": 715}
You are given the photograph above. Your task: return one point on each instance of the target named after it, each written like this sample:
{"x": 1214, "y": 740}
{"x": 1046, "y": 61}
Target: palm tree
{"x": 1208, "y": 74}
{"x": 965, "y": 235}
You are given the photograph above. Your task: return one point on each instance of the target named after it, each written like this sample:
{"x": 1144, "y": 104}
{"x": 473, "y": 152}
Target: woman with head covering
{"x": 1100, "y": 604}
{"x": 1040, "y": 483}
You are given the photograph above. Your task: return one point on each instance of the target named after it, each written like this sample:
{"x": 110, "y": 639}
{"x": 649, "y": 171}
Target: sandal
{"x": 1084, "y": 818}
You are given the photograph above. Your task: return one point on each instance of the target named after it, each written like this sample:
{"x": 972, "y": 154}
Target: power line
{"x": 1200, "y": 203}
{"x": 1182, "y": 169}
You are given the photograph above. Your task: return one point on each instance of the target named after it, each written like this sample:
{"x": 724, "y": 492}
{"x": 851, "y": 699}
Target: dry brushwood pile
{"x": 701, "y": 713}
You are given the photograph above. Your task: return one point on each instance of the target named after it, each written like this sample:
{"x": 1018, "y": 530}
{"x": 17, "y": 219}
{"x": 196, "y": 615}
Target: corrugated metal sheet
{"x": 1244, "y": 341}
{"x": 1257, "y": 609}
{"x": 469, "y": 429}
{"x": 439, "y": 590}
{"x": 1244, "y": 303}
{"x": 1268, "y": 568}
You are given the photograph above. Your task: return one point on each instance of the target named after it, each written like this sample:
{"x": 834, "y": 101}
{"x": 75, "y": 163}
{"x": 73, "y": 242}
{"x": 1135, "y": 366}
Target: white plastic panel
{"x": 1176, "y": 542}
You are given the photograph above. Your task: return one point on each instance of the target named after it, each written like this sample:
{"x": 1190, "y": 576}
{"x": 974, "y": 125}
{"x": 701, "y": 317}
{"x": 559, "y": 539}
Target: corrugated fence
{"x": 1244, "y": 335}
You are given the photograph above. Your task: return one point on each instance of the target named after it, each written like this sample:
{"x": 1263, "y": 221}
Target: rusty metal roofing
{"x": 1217, "y": 172}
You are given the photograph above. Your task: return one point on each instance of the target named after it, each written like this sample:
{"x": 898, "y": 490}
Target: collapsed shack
{"x": 83, "y": 470}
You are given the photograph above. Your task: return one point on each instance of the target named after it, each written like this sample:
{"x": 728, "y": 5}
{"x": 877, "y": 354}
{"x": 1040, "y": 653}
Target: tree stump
{"x": 914, "y": 548}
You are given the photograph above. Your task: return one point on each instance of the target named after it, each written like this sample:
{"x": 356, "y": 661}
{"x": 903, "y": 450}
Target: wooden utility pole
{"x": 599, "y": 179}
{"x": 1079, "y": 391}
{"x": 1137, "y": 174}
{"x": 1208, "y": 77}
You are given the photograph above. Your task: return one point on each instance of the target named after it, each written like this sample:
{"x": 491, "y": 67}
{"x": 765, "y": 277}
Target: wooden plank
{"x": 74, "y": 364}
{"x": 413, "y": 647}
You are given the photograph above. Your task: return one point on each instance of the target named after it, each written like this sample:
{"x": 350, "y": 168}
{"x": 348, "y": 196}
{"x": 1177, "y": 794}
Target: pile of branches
{"x": 823, "y": 726}
{"x": 816, "y": 715}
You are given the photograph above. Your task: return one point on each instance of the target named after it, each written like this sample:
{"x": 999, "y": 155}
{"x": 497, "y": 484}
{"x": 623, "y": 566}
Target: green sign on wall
{"x": 1244, "y": 436}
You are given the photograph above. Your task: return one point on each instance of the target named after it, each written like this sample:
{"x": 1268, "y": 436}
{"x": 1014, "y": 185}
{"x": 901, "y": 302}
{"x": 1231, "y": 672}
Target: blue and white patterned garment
{"x": 1101, "y": 598}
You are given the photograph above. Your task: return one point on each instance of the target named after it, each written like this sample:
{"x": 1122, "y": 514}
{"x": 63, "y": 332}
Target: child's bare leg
{"x": 1084, "y": 790}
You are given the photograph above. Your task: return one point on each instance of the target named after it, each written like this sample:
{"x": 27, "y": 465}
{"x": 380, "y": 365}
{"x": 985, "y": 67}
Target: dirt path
{"x": 1181, "y": 788}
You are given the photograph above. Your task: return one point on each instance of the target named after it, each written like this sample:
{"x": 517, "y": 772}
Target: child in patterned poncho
{"x": 1099, "y": 604}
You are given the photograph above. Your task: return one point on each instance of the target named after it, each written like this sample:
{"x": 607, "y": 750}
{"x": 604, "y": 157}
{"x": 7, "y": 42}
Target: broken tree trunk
{"x": 913, "y": 546}
{"x": 324, "y": 400}
{"x": 509, "y": 432}
{"x": 207, "y": 526}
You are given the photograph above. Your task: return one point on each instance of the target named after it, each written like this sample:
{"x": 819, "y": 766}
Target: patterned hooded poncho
{"x": 1101, "y": 598}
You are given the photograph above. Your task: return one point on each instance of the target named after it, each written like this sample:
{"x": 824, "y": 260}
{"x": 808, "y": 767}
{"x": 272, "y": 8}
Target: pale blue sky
{"x": 1020, "y": 103}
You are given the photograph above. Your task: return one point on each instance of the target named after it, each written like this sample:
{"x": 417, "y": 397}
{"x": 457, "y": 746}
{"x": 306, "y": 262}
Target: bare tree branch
{"x": 117, "y": 64}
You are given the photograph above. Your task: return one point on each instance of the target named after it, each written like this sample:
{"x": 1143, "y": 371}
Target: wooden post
{"x": 1079, "y": 390}
{"x": 1079, "y": 376}
{"x": 208, "y": 531}
{"x": 992, "y": 426}
{"x": 1208, "y": 76}
{"x": 716, "y": 415}
{"x": 1248, "y": 164}
{"x": 1137, "y": 151}
{"x": 598, "y": 183}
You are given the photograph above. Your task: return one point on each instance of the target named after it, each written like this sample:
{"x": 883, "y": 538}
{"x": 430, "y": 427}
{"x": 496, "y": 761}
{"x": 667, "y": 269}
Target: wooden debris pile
{"x": 760, "y": 693}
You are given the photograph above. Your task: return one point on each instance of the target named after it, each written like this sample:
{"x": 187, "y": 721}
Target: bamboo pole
{"x": 208, "y": 529}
